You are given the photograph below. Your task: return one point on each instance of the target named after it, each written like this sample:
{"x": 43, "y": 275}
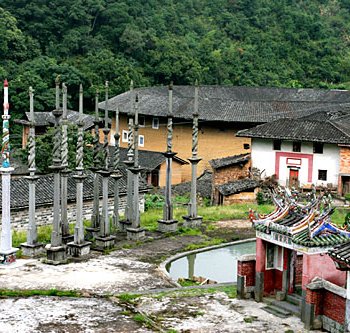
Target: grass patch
{"x": 128, "y": 298}
{"x": 187, "y": 283}
{"x": 209, "y": 242}
{"x": 35, "y": 292}
{"x": 231, "y": 292}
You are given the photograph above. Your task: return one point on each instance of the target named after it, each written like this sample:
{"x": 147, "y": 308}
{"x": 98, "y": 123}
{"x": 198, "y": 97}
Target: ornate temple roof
{"x": 301, "y": 225}
{"x": 341, "y": 255}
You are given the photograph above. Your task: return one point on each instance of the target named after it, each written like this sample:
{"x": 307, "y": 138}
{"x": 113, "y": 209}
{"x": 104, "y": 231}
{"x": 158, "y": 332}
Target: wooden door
{"x": 293, "y": 177}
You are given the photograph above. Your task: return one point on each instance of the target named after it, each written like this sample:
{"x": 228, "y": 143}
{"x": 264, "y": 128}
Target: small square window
{"x": 322, "y": 175}
{"x": 142, "y": 121}
{"x": 297, "y": 146}
{"x": 125, "y": 136}
{"x": 277, "y": 144}
{"x": 246, "y": 146}
{"x": 318, "y": 148}
{"x": 141, "y": 141}
{"x": 155, "y": 123}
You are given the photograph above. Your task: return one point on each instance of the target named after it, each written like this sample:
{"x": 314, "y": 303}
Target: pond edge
{"x": 165, "y": 273}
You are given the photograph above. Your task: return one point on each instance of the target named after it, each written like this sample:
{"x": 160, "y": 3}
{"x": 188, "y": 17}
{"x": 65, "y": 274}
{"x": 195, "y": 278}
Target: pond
{"x": 219, "y": 264}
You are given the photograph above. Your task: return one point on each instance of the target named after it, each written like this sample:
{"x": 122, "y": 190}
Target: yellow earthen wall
{"x": 344, "y": 164}
{"x": 176, "y": 173}
{"x": 212, "y": 142}
{"x": 242, "y": 197}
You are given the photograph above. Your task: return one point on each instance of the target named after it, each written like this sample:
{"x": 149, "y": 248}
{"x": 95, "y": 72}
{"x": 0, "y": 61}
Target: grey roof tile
{"x": 238, "y": 104}
{"x": 229, "y": 160}
{"x": 237, "y": 186}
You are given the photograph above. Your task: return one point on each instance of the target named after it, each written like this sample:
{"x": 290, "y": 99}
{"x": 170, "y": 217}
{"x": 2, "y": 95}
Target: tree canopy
{"x": 286, "y": 43}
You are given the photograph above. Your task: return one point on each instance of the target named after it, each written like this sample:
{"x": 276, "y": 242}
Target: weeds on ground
{"x": 35, "y": 292}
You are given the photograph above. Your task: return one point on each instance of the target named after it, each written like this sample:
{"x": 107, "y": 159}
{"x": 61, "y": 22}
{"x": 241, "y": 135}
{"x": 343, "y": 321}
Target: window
{"x": 125, "y": 136}
{"x": 296, "y": 146}
{"x": 318, "y": 148}
{"x": 155, "y": 123}
{"x": 274, "y": 257}
{"x": 142, "y": 121}
{"x": 246, "y": 146}
{"x": 322, "y": 174}
{"x": 277, "y": 144}
{"x": 141, "y": 141}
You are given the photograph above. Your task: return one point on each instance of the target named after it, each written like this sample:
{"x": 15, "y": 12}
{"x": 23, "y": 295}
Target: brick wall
{"x": 230, "y": 173}
{"x": 334, "y": 307}
{"x": 247, "y": 269}
{"x": 315, "y": 297}
{"x": 44, "y": 215}
{"x": 215, "y": 141}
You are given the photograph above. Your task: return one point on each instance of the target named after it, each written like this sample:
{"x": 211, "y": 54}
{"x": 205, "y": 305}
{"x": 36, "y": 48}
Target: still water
{"x": 219, "y": 265}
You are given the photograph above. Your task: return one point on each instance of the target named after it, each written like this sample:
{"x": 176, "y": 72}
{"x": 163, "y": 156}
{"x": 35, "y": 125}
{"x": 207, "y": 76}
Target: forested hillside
{"x": 291, "y": 43}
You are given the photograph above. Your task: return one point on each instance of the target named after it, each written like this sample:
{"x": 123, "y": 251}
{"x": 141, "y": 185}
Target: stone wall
{"x": 246, "y": 276}
{"x": 242, "y": 197}
{"x": 44, "y": 214}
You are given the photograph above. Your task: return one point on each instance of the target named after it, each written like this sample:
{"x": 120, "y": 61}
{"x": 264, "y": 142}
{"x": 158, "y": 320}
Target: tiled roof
{"x": 232, "y": 104}
{"x": 230, "y": 160}
{"x": 45, "y": 189}
{"x": 341, "y": 253}
{"x": 303, "y": 237}
{"x": 47, "y": 118}
{"x": 204, "y": 186}
{"x": 237, "y": 186}
{"x": 148, "y": 159}
{"x": 299, "y": 129}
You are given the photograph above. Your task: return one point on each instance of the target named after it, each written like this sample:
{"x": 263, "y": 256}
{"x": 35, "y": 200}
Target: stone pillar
{"x": 94, "y": 229}
{"x": 168, "y": 224}
{"x": 245, "y": 276}
{"x": 135, "y": 232}
{"x": 126, "y": 222}
{"x": 116, "y": 175}
{"x": 32, "y": 248}
{"x": 79, "y": 247}
{"x": 313, "y": 307}
{"x": 56, "y": 251}
{"x": 192, "y": 220}
{"x": 66, "y": 237}
{"x": 7, "y": 252}
{"x": 105, "y": 240}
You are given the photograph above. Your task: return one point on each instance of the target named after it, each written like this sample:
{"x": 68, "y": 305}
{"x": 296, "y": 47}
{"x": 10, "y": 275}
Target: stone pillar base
{"x": 78, "y": 250}
{"x": 123, "y": 225}
{"x": 91, "y": 233}
{"x": 104, "y": 243}
{"x": 167, "y": 225}
{"x": 192, "y": 222}
{"x": 56, "y": 255}
{"x": 135, "y": 233}
{"x": 8, "y": 257}
{"x": 67, "y": 239}
{"x": 32, "y": 250}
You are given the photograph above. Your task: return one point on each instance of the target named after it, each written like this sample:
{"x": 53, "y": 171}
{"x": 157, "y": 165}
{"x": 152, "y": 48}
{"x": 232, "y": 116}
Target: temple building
{"x": 292, "y": 262}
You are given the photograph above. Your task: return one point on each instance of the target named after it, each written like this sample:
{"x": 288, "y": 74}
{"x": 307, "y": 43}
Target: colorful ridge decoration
{"x": 305, "y": 221}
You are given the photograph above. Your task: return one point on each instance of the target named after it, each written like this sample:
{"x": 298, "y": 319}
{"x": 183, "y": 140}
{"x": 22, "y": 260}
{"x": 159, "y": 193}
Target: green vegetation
{"x": 251, "y": 43}
{"x": 29, "y": 293}
{"x": 206, "y": 243}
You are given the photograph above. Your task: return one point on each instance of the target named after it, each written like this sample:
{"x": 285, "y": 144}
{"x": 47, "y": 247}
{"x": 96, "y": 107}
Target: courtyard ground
{"x": 125, "y": 291}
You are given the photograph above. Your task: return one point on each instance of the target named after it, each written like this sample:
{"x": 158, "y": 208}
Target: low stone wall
{"x": 325, "y": 305}
{"x": 246, "y": 276}
{"x": 44, "y": 214}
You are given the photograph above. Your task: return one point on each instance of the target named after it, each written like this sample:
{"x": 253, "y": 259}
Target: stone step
{"x": 294, "y": 299}
{"x": 276, "y": 311}
{"x": 291, "y": 308}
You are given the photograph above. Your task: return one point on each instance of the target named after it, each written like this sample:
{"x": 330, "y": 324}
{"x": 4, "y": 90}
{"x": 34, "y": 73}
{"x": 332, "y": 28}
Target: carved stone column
{"x": 168, "y": 224}
{"x": 192, "y": 220}
{"x": 32, "y": 248}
